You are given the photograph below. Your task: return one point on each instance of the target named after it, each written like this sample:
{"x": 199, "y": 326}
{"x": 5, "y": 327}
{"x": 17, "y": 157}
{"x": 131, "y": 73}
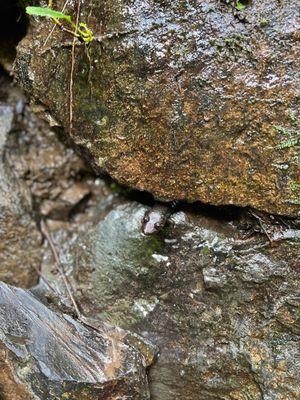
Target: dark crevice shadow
{"x": 13, "y": 27}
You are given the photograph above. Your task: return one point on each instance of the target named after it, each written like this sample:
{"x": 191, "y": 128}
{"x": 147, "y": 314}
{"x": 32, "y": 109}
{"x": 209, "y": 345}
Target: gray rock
{"x": 223, "y": 310}
{"x": 47, "y": 356}
{"x": 19, "y": 238}
{"x": 6, "y": 120}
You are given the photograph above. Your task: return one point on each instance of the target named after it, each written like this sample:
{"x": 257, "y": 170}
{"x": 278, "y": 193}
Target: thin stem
{"x": 262, "y": 225}
{"x": 47, "y": 283}
{"x": 54, "y": 26}
{"x": 71, "y": 80}
{"x": 64, "y": 29}
{"x": 60, "y": 267}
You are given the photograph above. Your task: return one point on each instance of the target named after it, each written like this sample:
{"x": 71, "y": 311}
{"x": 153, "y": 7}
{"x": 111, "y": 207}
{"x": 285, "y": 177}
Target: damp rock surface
{"x": 20, "y": 240}
{"x": 187, "y": 100}
{"x": 46, "y": 355}
{"x": 222, "y": 308}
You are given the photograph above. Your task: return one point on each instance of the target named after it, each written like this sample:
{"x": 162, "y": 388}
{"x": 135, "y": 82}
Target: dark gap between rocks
{"x": 13, "y": 27}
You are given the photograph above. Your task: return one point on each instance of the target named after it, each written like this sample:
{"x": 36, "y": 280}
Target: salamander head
{"x": 154, "y": 220}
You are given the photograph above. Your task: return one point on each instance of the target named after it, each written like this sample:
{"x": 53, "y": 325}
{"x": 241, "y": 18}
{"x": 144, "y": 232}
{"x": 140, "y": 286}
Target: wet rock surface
{"x": 45, "y": 355}
{"x": 186, "y": 100}
{"x": 222, "y": 309}
{"x": 210, "y": 296}
{"x": 57, "y": 178}
{"x": 20, "y": 240}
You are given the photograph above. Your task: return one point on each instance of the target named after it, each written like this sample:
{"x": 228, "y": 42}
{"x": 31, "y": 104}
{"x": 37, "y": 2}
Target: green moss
{"x": 205, "y": 250}
{"x": 235, "y": 46}
{"x": 264, "y": 22}
{"x": 293, "y": 117}
{"x": 115, "y": 187}
{"x": 295, "y": 189}
{"x": 292, "y": 137}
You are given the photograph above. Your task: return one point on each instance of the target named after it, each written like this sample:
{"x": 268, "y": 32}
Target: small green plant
{"x": 295, "y": 189}
{"x": 234, "y": 46}
{"x": 240, "y": 6}
{"x": 81, "y": 32}
{"x": 293, "y": 137}
{"x": 78, "y": 30}
{"x": 264, "y": 22}
{"x": 286, "y": 144}
{"x": 293, "y": 117}
{"x": 47, "y": 12}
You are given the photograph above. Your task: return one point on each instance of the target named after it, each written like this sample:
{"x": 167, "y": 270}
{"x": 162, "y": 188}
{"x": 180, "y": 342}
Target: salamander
{"x": 155, "y": 219}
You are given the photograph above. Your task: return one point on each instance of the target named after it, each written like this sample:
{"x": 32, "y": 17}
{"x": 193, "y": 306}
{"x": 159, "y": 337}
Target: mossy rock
{"x": 188, "y": 101}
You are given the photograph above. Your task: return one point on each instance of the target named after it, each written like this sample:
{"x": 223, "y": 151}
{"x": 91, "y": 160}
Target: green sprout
{"x": 240, "y": 6}
{"x": 81, "y": 32}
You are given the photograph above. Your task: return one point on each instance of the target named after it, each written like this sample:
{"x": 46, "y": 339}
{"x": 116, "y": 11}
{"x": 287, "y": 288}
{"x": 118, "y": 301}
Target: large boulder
{"x": 187, "y": 100}
{"x": 46, "y": 355}
{"x": 223, "y": 309}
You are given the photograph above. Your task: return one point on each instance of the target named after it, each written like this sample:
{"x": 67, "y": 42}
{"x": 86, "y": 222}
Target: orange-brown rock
{"x": 185, "y": 99}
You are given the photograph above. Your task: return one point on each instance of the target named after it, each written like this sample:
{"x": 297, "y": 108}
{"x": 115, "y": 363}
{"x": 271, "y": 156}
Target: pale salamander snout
{"x": 154, "y": 220}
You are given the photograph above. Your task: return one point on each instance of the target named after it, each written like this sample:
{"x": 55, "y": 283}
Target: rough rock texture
{"x": 192, "y": 100}
{"x": 19, "y": 238}
{"x": 44, "y": 355}
{"x": 223, "y": 309}
{"x": 57, "y": 178}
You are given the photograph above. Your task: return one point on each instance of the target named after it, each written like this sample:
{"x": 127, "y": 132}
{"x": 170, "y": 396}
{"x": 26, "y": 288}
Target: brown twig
{"x": 54, "y": 26}
{"x": 84, "y": 320}
{"x": 60, "y": 267}
{"x": 62, "y": 45}
{"x": 259, "y": 219}
{"x": 47, "y": 283}
{"x": 71, "y": 80}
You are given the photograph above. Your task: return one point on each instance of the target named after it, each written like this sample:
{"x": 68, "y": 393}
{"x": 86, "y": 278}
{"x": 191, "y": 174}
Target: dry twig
{"x": 54, "y": 26}
{"x": 71, "y": 80}
{"x": 262, "y": 225}
{"x": 60, "y": 267}
{"x": 47, "y": 283}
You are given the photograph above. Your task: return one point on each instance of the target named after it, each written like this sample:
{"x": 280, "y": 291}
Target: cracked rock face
{"x": 20, "y": 241}
{"x": 223, "y": 310}
{"x": 45, "y": 355}
{"x": 191, "y": 100}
